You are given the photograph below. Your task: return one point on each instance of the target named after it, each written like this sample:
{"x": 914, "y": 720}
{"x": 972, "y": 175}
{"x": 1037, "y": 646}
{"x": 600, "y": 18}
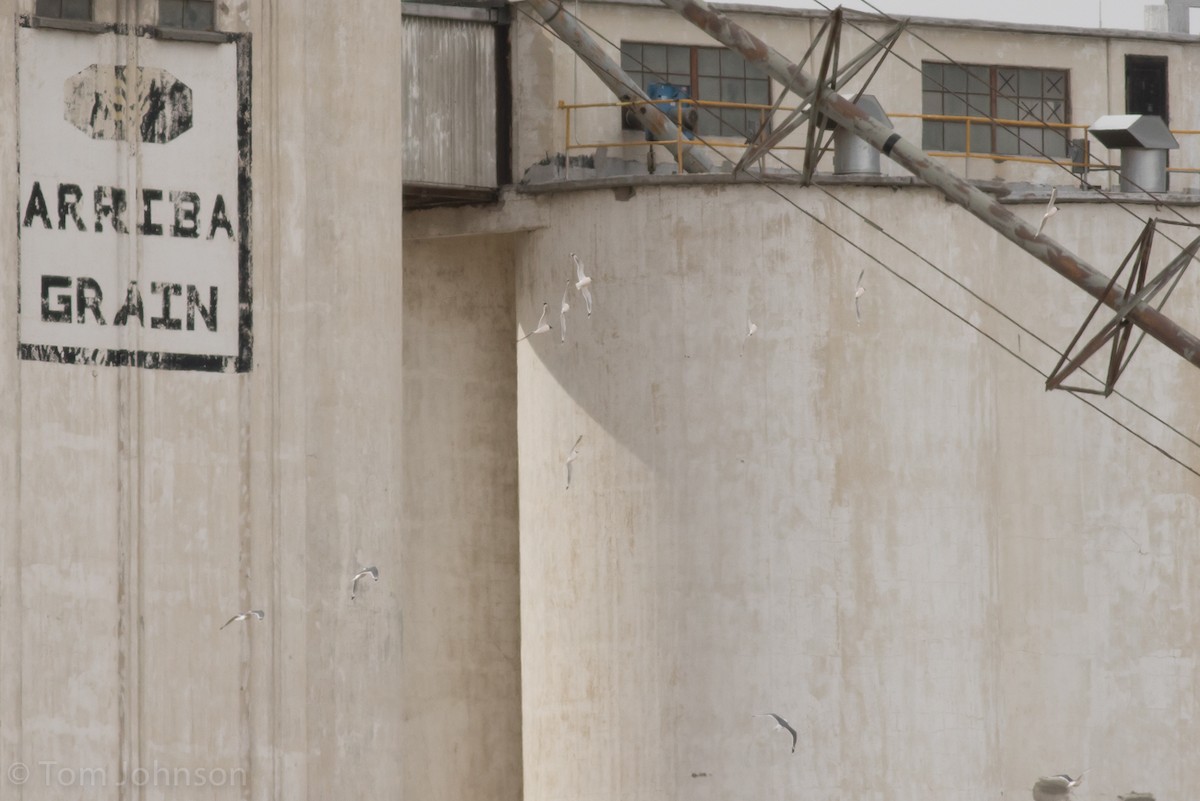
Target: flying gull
{"x": 751, "y": 328}
{"x": 372, "y": 571}
{"x": 581, "y": 283}
{"x": 1051, "y": 210}
{"x": 562, "y": 314}
{"x": 542, "y": 326}
{"x": 1055, "y": 788}
{"x": 859, "y": 291}
{"x": 571, "y": 457}
{"x": 780, "y": 723}
{"x": 257, "y": 614}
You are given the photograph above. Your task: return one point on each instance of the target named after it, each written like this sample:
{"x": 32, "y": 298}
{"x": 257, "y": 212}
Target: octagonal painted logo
{"x": 101, "y": 102}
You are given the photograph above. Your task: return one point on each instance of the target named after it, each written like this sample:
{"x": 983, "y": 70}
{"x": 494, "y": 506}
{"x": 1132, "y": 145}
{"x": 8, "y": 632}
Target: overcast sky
{"x": 1077, "y": 13}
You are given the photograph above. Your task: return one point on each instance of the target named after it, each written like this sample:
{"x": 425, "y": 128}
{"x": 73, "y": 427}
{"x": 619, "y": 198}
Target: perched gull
{"x": 372, "y": 571}
{"x": 751, "y": 328}
{"x": 859, "y": 291}
{"x": 780, "y": 723}
{"x": 562, "y": 314}
{"x": 571, "y": 457}
{"x": 1055, "y": 788}
{"x": 1051, "y": 210}
{"x": 542, "y": 326}
{"x": 581, "y": 283}
{"x": 257, "y": 614}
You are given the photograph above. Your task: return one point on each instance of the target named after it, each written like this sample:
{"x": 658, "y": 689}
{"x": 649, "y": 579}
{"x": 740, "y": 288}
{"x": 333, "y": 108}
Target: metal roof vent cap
{"x": 1143, "y": 140}
{"x": 851, "y": 155}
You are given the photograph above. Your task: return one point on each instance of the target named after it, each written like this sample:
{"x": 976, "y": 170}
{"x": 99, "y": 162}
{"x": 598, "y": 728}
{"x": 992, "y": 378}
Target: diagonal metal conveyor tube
{"x": 660, "y": 127}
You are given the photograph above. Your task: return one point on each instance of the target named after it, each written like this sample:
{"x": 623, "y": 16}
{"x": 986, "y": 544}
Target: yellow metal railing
{"x": 966, "y": 153}
{"x": 680, "y": 139}
{"x": 763, "y": 110}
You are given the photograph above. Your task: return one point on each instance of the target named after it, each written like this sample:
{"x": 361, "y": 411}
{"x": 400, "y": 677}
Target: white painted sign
{"x": 134, "y": 200}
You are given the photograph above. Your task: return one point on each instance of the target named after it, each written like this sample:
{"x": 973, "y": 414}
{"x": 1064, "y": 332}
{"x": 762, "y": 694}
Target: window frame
{"x": 645, "y": 75}
{"x": 40, "y": 10}
{"x": 183, "y": 16}
{"x": 1002, "y": 80}
{"x": 1137, "y": 62}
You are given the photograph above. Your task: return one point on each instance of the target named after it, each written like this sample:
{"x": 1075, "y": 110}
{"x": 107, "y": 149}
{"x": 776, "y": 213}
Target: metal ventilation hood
{"x": 1119, "y": 131}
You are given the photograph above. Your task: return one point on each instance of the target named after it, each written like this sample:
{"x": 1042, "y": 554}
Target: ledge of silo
{"x": 710, "y": 179}
{"x": 1018, "y": 193}
{"x": 1007, "y": 193}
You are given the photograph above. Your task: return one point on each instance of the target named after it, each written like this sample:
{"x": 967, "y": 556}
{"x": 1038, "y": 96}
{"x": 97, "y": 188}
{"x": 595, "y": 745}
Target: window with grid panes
{"x": 1023, "y": 94}
{"x": 195, "y": 15}
{"x": 710, "y": 73}
{"x": 64, "y": 9}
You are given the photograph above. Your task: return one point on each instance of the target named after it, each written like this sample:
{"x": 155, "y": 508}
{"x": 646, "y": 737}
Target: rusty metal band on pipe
{"x": 916, "y": 161}
{"x": 659, "y": 125}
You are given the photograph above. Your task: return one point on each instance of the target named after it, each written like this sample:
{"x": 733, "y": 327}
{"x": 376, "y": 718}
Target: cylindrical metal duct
{"x": 1143, "y": 140}
{"x": 853, "y": 156}
{"x": 1143, "y": 169}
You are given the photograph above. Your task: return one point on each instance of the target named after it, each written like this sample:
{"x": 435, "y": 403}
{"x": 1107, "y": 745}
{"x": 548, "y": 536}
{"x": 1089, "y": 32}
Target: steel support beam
{"x": 916, "y": 161}
{"x": 660, "y": 127}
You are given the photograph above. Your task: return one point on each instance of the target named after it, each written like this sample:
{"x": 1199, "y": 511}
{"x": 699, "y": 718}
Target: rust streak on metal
{"x": 916, "y": 161}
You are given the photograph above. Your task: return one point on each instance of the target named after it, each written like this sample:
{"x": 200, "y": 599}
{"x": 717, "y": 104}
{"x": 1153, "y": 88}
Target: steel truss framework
{"x": 1132, "y": 308}
{"x": 831, "y": 78}
{"x": 1119, "y": 328}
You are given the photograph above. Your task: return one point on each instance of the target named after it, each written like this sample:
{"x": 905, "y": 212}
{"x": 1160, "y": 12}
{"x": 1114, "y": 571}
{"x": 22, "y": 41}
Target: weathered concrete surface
{"x": 140, "y": 509}
{"x": 461, "y": 667}
{"x": 887, "y": 532}
{"x": 326, "y": 686}
{"x": 11, "y": 617}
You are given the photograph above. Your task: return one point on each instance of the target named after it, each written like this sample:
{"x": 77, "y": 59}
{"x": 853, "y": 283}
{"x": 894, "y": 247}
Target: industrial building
{"x": 202, "y": 385}
{"x": 276, "y": 270}
{"x": 820, "y": 474}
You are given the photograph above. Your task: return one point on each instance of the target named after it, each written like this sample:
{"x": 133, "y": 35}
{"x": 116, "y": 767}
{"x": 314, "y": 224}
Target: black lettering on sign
{"x": 133, "y": 306}
{"x": 208, "y": 315}
{"x": 148, "y": 226}
{"x": 187, "y": 208}
{"x": 220, "y": 219}
{"x": 189, "y": 297}
{"x": 69, "y": 196}
{"x": 87, "y": 298}
{"x": 110, "y": 202}
{"x": 166, "y": 321}
{"x": 36, "y": 207}
{"x": 61, "y": 313}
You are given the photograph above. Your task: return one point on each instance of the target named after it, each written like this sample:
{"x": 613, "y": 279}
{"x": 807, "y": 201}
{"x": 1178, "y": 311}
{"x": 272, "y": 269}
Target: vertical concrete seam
{"x": 245, "y": 537}
{"x": 15, "y": 641}
{"x": 270, "y": 85}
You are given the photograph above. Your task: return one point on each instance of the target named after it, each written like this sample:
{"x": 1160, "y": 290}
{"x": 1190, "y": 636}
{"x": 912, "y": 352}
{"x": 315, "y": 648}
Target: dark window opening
{"x": 193, "y": 15}
{"x": 708, "y": 73}
{"x": 1146, "y": 86}
{"x": 1020, "y": 94}
{"x": 64, "y": 9}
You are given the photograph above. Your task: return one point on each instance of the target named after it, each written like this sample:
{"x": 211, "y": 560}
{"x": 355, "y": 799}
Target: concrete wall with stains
{"x": 547, "y": 71}
{"x": 139, "y": 509}
{"x": 461, "y": 667}
{"x": 885, "y": 531}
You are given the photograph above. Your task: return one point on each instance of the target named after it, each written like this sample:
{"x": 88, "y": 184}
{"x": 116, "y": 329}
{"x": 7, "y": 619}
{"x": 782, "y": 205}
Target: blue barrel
{"x": 671, "y": 91}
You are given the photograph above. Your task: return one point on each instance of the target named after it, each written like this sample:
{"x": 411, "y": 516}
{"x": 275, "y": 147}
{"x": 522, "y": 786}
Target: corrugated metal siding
{"x": 449, "y": 102}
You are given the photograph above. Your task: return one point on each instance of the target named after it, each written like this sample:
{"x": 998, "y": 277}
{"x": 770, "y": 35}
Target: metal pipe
{"x": 657, "y": 124}
{"x": 916, "y": 161}
{"x": 1143, "y": 169}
